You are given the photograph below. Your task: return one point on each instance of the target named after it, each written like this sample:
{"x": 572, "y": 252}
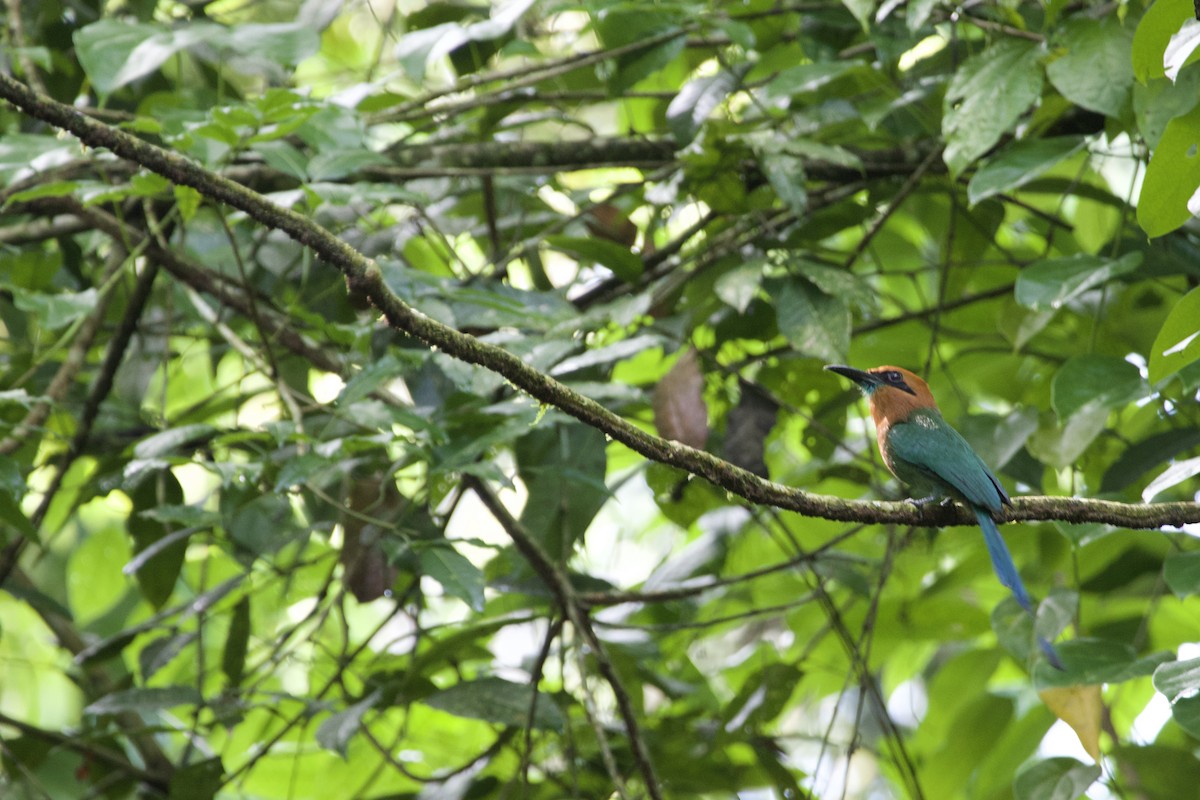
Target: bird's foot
{"x": 933, "y": 498}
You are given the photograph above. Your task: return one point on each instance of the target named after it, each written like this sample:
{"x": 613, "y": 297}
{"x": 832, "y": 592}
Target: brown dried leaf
{"x": 606, "y": 221}
{"x": 366, "y": 572}
{"x": 680, "y": 412}
{"x": 746, "y": 432}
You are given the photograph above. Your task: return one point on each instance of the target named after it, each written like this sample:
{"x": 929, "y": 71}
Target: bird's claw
{"x": 920, "y": 502}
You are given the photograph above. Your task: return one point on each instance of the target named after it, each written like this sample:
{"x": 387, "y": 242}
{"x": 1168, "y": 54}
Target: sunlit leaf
{"x": 1094, "y": 379}
{"x": 338, "y": 729}
{"x": 1171, "y": 177}
{"x": 144, "y": 700}
{"x": 457, "y": 575}
{"x": 987, "y": 96}
{"x": 1173, "y": 475}
{"x": 815, "y": 323}
{"x": 1096, "y": 72}
{"x": 1051, "y": 284}
{"x": 495, "y": 700}
{"x": 1018, "y": 164}
{"x": 1178, "y": 340}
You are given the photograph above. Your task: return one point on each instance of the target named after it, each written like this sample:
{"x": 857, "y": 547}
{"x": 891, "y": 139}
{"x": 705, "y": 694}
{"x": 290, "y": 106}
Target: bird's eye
{"x": 892, "y": 376}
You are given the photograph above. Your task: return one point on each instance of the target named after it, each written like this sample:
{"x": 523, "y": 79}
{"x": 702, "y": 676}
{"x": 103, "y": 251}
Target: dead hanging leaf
{"x": 366, "y": 572}
{"x": 680, "y": 412}
{"x": 746, "y": 432}
{"x": 358, "y": 300}
{"x": 606, "y": 221}
{"x": 1081, "y": 708}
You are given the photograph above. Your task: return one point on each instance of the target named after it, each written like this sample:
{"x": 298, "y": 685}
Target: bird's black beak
{"x": 865, "y": 380}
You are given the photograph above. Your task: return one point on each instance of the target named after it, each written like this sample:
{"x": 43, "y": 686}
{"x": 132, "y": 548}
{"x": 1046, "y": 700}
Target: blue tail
{"x": 1002, "y": 561}
{"x": 1006, "y": 571}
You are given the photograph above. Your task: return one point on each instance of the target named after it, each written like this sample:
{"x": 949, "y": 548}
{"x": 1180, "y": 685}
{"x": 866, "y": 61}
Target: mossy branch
{"x": 362, "y": 274}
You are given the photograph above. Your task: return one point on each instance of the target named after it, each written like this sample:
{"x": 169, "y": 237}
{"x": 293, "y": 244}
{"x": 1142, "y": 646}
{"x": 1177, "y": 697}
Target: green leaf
{"x": 48, "y": 189}
{"x": 1163, "y": 770}
{"x": 282, "y": 156}
{"x": 863, "y": 11}
{"x": 237, "y": 641}
{"x": 697, "y": 99}
{"x": 804, "y": 78}
{"x": 623, "y": 262}
{"x": 282, "y": 43}
{"x": 740, "y": 285}
{"x": 1181, "y": 571}
{"x": 161, "y": 651}
{"x": 661, "y": 29}
{"x": 12, "y": 482}
{"x": 12, "y": 514}
{"x": 200, "y": 780}
{"x": 1097, "y": 72}
{"x": 762, "y": 697}
{"x": 498, "y": 701}
{"x": 1186, "y": 712}
{"x": 373, "y": 375}
{"x": 1177, "y": 677}
{"x": 1052, "y": 283}
{"x": 1062, "y": 445}
{"x": 1178, "y": 341}
{"x": 563, "y": 468}
{"x": 616, "y": 351}
{"x": 457, "y": 575}
{"x": 1059, "y": 778}
{"x": 1018, "y": 164}
{"x": 814, "y": 323}
{"x": 338, "y": 729}
{"x": 1154, "y": 31}
{"x": 168, "y": 441}
{"x": 1172, "y": 177}
{"x": 1107, "y": 380}
{"x": 54, "y": 311}
{"x": 1160, "y": 101}
{"x": 419, "y": 48}
{"x": 785, "y": 172}
{"x": 1097, "y": 661}
{"x": 1146, "y": 454}
{"x": 160, "y": 550}
{"x": 145, "y": 700}
{"x": 304, "y": 468}
{"x": 986, "y": 97}
{"x": 106, "y": 48}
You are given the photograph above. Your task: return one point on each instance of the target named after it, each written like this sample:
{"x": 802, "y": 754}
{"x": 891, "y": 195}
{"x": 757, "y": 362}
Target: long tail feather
{"x": 1006, "y": 571}
{"x": 1002, "y": 561}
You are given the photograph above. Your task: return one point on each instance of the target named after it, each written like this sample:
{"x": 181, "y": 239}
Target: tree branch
{"x": 364, "y": 275}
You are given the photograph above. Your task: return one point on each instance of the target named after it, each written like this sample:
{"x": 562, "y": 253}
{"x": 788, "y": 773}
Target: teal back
{"x": 933, "y": 458}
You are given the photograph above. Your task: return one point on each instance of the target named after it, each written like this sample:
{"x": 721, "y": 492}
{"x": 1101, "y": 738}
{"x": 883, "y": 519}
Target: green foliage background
{"x": 258, "y": 544}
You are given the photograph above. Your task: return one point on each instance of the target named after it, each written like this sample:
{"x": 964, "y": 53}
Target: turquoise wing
{"x": 927, "y": 444}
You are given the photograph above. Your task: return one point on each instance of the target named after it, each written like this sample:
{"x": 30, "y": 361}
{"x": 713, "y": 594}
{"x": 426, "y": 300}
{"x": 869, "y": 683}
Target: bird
{"x": 921, "y": 449}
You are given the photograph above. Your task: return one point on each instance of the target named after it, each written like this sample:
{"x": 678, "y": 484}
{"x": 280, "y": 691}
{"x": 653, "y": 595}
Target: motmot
{"x": 921, "y": 449}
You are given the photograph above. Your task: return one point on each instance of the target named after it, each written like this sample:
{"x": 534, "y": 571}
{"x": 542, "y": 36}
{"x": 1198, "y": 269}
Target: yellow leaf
{"x": 1080, "y": 707}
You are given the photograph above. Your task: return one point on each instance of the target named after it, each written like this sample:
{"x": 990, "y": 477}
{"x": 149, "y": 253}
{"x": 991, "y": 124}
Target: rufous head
{"x": 894, "y": 392}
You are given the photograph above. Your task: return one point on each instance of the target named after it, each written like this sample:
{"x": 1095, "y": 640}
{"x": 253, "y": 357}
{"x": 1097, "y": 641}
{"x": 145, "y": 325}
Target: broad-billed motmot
{"x": 921, "y": 449}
